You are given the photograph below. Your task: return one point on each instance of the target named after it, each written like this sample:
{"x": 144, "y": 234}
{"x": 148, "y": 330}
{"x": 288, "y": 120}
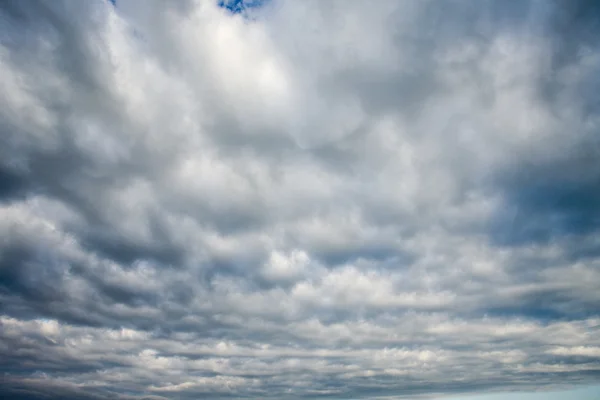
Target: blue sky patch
{"x": 241, "y": 6}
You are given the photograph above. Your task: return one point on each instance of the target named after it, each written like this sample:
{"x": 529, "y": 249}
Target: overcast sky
{"x": 299, "y": 199}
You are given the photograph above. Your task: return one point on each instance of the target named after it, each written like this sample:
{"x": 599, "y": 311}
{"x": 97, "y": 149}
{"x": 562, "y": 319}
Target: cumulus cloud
{"x": 284, "y": 199}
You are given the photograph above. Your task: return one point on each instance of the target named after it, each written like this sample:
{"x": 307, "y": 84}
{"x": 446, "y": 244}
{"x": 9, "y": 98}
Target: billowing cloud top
{"x": 298, "y": 199}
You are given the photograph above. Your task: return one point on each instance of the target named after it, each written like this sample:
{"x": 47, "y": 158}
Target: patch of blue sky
{"x": 241, "y": 6}
{"x": 585, "y": 393}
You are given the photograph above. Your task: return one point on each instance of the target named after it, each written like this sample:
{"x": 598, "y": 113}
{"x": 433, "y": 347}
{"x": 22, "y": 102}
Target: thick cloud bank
{"x": 298, "y": 199}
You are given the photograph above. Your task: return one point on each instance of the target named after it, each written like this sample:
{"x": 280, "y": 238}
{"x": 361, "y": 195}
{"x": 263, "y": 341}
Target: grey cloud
{"x": 254, "y": 368}
{"x": 315, "y": 201}
{"x": 558, "y": 198}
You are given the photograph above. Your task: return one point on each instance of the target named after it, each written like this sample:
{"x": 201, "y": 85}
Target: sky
{"x": 584, "y": 393}
{"x": 299, "y": 199}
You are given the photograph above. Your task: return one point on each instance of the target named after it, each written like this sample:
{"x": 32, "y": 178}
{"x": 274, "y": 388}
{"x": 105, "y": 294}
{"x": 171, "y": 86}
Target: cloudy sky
{"x": 299, "y": 199}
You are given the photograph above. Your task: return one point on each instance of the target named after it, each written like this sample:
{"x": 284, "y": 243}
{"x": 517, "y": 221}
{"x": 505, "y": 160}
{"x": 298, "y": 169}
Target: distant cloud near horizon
{"x": 298, "y": 199}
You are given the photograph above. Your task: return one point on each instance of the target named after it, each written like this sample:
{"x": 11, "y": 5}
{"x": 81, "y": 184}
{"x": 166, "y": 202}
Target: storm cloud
{"x": 298, "y": 199}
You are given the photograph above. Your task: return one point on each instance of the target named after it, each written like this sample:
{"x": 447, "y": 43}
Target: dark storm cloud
{"x": 11, "y": 185}
{"x": 559, "y": 195}
{"x": 553, "y": 200}
{"x": 317, "y": 200}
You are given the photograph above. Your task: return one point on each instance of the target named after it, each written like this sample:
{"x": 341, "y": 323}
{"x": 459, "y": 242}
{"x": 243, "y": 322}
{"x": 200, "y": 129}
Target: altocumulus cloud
{"x": 298, "y": 199}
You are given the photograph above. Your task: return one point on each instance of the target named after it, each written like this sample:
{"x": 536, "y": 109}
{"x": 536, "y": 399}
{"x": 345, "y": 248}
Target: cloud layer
{"x": 298, "y": 199}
